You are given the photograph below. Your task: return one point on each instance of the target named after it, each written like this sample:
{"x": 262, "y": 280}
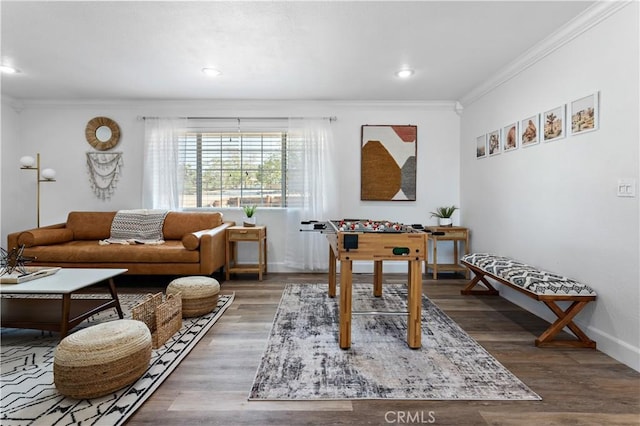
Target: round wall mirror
{"x": 102, "y": 133}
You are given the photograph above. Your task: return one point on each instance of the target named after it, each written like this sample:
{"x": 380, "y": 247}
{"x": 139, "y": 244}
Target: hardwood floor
{"x": 211, "y": 385}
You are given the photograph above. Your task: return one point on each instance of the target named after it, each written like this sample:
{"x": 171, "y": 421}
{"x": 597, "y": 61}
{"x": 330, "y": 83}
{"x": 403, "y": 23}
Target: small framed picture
{"x": 510, "y": 137}
{"x": 553, "y": 124}
{"x": 530, "y": 131}
{"x": 493, "y": 140}
{"x": 481, "y": 146}
{"x": 584, "y": 114}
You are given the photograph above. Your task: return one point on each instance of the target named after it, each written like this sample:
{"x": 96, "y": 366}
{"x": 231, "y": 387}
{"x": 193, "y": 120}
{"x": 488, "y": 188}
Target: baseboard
{"x": 617, "y": 349}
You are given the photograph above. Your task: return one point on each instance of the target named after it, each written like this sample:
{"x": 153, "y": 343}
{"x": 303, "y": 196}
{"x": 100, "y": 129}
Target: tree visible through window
{"x": 234, "y": 169}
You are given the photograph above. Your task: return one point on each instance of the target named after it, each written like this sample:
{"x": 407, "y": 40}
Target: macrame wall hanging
{"x": 104, "y": 172}
{"x": 103, "y": 133}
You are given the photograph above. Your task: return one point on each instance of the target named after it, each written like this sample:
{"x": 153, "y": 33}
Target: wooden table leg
{"x": 467, "y": 273}
{"x": 414, "y": 302}
{"x": 345, "y": 304}
{"x": 66, "y": 310}
{"x": 227, "y": 249}
{"x": 456, "y": 258}
{"x": 264, "y": 247}
{"x": 377, "y": 278}
{"x": 260, "y": 259}
{"x": 434, "y": 265}
{"x": 114, "y": 296}
{"x": 332, "y": 273}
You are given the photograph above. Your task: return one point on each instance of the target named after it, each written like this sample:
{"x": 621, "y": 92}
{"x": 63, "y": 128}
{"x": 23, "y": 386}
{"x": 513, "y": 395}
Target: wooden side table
{"x": 456, "y": 234}
{"x": 237, "y": 234}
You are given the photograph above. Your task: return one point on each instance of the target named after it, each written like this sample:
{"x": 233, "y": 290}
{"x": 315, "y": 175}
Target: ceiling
{"x": 284, "y": 50}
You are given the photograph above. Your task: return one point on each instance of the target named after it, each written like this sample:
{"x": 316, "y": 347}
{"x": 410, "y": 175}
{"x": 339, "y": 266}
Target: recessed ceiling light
{"x": 8, "y": 69}
{"x": 211, "y": 72}
{"x": 404, "y": 73}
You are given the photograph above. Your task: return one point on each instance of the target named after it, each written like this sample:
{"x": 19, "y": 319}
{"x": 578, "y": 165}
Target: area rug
{"x": 29, "y": 396}
{"x": 303, "y": 360}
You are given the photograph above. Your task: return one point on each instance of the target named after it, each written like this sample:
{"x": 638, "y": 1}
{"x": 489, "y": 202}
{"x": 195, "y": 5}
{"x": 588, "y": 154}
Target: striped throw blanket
{"x": 137, "y": 227}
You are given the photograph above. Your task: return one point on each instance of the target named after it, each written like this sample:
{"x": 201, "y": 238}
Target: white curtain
{"x": 311, "y": 188}
{"x": 162, "y": 173}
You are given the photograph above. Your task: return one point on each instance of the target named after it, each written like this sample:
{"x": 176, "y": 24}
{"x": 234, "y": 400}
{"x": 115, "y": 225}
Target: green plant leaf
{"x": 444, "y": 212}
{"x": 249, "y": 211}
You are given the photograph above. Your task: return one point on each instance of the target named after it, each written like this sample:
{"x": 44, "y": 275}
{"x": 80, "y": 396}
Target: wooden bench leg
{"x": 565, "y": 319}
{"x": 479, "y": 276}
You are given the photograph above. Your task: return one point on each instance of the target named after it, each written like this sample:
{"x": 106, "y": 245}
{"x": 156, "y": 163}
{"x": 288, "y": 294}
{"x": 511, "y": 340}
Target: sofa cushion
{"x": 91, "y": 252}
{"x": 178, "y": 224}
{"x": 90, "y": 225}
{"x": 44, "y": 236}
{"x": 191, "y": 241}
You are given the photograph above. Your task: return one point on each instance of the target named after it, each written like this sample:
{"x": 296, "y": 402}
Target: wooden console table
{"x": 456, "y": 234}
{"x": 237, "y": 234}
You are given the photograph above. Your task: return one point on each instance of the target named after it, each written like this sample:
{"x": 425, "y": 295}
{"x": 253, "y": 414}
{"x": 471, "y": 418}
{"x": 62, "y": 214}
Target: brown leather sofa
{"x": 194, "y": 244}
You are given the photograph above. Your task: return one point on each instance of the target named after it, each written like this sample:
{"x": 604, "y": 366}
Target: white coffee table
{"x": 57, "y": 314}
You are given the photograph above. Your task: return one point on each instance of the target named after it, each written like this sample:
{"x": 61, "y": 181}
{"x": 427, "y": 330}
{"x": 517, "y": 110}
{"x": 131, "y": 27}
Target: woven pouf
{"x": 199, "y": 294}
{"x": 101, "y": 359}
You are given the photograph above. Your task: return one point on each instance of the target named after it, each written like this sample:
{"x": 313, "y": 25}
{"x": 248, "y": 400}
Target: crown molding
{"x": 591, "y": 17}
{"x": 125, "y": 104}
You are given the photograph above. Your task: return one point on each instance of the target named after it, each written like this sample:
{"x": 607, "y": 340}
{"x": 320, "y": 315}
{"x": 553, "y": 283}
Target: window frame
{"x": 247, "y": 137}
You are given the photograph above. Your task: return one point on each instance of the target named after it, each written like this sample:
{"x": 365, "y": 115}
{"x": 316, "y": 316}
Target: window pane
{"x": 233, "y": 169}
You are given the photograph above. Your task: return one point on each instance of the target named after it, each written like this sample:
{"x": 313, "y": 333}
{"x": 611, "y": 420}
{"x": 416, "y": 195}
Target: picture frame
{"x": 493, "y": 143}
{"x": 584, "y": 114}
{"x": 510, "y": 137}
{"x": 388, "y": 156}
{"x": 530, "y": 131}
{"x": 553, "y": 123}
{"x": 481, "y": 147}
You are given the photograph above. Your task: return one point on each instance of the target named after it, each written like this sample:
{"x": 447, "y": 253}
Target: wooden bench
{"x": 540, "y": 285}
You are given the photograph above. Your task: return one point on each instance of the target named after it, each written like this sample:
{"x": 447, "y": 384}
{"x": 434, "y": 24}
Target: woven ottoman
{"x": 199, "y": 294}
{"x": 101, "y": 359}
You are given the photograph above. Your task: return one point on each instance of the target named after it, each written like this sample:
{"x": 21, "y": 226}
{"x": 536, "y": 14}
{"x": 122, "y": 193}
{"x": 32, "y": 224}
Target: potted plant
{"x": 444, "y": 215}
{"x": 249, "y": 218}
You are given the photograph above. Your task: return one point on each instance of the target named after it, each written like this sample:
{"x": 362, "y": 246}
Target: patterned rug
{"x": 30, "y": 398}
{"x": 303, "y": 361}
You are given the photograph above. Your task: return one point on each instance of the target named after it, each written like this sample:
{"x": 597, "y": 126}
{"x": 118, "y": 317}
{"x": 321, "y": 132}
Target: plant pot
{"x": 249, "y": 221}
{"x": 445, "y": 221}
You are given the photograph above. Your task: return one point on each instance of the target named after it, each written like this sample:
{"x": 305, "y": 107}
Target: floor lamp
{"x": 46, "y": 175}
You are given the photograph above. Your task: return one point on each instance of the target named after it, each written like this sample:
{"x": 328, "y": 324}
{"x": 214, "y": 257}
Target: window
{"x": 232, "y": 169}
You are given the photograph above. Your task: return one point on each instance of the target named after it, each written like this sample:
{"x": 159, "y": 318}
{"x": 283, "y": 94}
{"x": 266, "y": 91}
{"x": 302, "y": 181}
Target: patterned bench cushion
{"x": 527, "y": 277}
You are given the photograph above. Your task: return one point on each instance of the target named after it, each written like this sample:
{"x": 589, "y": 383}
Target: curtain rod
{"x": 332, "y": 118}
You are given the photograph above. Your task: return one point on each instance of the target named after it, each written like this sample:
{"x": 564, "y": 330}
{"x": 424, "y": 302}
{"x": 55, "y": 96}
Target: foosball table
{"x": 377, "y": 241}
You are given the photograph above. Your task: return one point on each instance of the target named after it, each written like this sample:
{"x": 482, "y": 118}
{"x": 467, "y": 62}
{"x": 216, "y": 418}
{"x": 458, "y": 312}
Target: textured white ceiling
{"x": 311, "y": 50}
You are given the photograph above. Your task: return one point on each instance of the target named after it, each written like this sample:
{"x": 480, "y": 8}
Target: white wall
{"x": 554, "y": 205}
{"x": 56, "y": 130}
{"x": 8, "y": 191}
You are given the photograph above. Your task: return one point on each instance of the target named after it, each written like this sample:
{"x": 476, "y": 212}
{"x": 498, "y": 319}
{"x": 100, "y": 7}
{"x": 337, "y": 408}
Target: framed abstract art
{"x": 388, "y": 162}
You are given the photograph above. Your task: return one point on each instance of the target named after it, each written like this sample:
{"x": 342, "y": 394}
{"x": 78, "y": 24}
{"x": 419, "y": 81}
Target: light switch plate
{"x": 627, "y": 187}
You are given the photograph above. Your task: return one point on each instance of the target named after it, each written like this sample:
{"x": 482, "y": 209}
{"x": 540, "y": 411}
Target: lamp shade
{"x": 49, "y": 174}
{"x": 27, "y": 161}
